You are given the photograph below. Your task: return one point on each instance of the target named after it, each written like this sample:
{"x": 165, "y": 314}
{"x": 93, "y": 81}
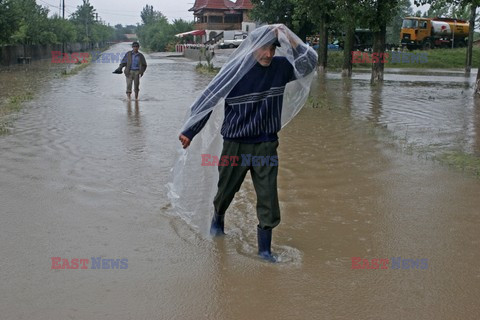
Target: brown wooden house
{"x": 220, "y": 14}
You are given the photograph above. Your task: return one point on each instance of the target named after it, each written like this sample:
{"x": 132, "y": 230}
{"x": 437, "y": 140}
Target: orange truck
{"x": 429, "y": 33}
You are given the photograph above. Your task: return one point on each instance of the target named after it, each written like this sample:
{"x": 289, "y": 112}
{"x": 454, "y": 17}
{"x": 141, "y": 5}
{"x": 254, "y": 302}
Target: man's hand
{"x": 184, "y": 140}
{"x": 281, "y": 29}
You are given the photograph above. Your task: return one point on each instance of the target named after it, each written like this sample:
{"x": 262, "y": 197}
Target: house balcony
{"x": 218, "y": 26}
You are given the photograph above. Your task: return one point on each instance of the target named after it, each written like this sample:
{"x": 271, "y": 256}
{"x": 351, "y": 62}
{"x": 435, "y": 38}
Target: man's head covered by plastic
{"x": 266, "y": 44}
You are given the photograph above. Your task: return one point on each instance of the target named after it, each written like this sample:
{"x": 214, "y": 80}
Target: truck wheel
{"x": 427, "y": 45}
{"x": 231, "y": 46}
{"x": 461, "y": 44}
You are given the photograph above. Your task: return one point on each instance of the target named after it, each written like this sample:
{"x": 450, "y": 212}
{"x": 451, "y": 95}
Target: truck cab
{"x": 416, "y": 32}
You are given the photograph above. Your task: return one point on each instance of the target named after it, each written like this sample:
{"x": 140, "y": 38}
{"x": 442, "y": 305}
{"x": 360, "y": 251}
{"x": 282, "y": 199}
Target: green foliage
{"x": 150, "y": 16}
{"x": 25, "y": 22}
{"x": 101, "y": 33}
{"x": 404, "y": 9}
{"x": 84, "y": 19}
{"x": 461, "y": 161}
{"x": 8, "y": 20}
{"x": 273, "y": 11}
{"x": 31, "y": 22}
{"x": 11, "y": 105}
{"x": 64, "y": 30}
{"x": 208, "y": 68}
{"x": 451, "y": 9}
{"x": 156, "y": 33}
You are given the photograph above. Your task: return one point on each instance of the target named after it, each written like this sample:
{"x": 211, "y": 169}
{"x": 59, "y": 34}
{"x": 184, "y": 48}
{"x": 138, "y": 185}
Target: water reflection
{"x": 347, "y": 93}
{"x": 476, "y": 126}
{"x": 133, "y": 114}
{"x": 376, "y": 104}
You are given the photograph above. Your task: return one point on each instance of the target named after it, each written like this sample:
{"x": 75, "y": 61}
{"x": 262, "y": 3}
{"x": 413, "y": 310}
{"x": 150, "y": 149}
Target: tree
{"x": 32, "y": 23}
{"x": 84, "y": 18}
{"x": 180, "y": 26}
{"x": 273, "y": 11}
{"x": 120, "y": 33}
{"x": 8, "y": 20}
{"x": 394, "y": 28}
{"x": 349, "y": 14}
{"x": 64, "y": 30}
{"x": 150, "y": 16}
{"x": 469, "y": 58}
{"x": 377, "y": 15}
{"x": 156, "y": 32}
{"x": 318, "y": 13}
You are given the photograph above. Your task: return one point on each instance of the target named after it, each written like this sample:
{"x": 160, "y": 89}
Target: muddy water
{"x": 83, "y": 175}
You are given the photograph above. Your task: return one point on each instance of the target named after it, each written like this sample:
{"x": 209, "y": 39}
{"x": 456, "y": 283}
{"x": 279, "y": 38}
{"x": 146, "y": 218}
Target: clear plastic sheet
{"x": 193, "y": 186}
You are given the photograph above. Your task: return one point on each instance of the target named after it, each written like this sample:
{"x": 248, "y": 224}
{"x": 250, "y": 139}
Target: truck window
{"x": 423, "y": 25}
{"x": 410, "y": 23}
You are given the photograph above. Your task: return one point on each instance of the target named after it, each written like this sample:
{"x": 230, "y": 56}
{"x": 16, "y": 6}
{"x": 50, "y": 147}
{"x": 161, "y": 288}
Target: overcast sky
{"x": 128, "y": 11}
{"x": 125, "y": 11}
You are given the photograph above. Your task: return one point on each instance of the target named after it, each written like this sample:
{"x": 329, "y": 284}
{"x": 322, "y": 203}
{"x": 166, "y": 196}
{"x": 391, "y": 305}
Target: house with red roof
{"x": 216, "y": 16}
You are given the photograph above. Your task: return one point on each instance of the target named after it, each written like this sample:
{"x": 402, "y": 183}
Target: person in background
{"x": 135, "y": 66}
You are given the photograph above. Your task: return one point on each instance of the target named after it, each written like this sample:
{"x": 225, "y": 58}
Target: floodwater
{"x": 83, "y": 174}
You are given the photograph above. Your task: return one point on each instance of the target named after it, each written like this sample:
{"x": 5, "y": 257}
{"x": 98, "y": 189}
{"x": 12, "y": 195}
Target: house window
{"x": 215, "y": 19}
{"x": 233, "y": 18}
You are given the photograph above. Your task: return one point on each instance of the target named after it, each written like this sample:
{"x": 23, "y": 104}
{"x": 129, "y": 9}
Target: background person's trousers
{"x": 264, "y": 179}
{"x": 133, "y": 76}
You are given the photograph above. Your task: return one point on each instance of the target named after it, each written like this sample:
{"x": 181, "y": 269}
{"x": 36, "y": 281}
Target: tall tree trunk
{"x": 348, "y": 48}
{"x": 305, "y": 26}
{"x": 468, "y": 65}
{"x": 323, "y": 45}
{"x": 378, "y": 50}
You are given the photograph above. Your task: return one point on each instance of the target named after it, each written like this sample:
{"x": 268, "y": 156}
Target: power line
{"x": 48, "y": 4}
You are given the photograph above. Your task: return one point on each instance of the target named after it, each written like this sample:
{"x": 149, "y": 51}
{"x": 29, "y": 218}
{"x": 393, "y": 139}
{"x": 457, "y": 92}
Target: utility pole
{"x": 63, "y": 16}
{"x": 453, "y": 34}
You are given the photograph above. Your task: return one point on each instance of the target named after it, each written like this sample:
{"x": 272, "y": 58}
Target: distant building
{"x": 216, "y": 16}
{"x": 131, "y": 36}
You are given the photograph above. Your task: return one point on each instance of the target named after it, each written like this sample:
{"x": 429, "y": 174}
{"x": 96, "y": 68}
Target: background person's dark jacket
{"x": 142, "y": 63}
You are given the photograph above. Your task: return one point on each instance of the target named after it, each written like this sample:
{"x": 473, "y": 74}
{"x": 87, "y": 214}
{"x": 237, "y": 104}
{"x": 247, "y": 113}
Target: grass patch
{"x": 436, "y": 59}
{"x": 77, "y": 68}
{"x": 12, "y": 105}
{"x": 206, "y": 68}
{"x": 461, "y": 161}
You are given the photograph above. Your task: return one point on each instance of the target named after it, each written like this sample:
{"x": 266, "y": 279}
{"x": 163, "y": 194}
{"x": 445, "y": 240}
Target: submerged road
{"x": 83, "y": 174}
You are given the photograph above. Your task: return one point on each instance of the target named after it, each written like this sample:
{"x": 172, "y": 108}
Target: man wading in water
{"x": 253, "y": 110}
{"x": 135, "y": 65}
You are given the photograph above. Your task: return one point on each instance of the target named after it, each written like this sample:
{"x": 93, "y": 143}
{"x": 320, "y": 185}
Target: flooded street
{"x": 83, "y": 174}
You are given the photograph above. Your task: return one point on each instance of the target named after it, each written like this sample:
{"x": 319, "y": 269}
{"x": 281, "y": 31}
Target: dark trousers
{"x": 264, "y": 177}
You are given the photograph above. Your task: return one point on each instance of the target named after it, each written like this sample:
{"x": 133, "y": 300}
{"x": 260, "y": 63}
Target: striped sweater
{"x": 253, "y": 108}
